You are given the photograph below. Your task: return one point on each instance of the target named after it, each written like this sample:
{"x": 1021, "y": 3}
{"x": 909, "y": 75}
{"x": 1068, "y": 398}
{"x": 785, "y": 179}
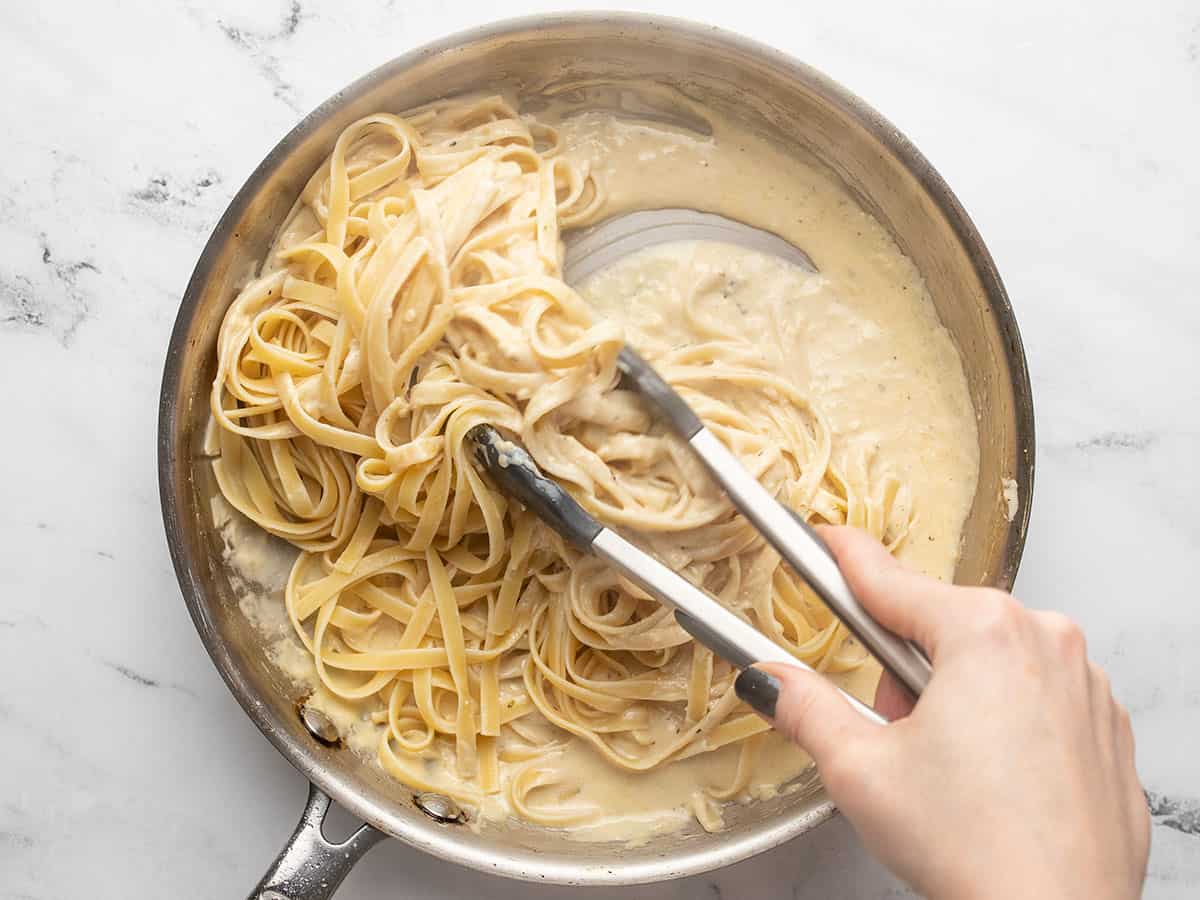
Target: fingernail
{"x": 759, "y": 689}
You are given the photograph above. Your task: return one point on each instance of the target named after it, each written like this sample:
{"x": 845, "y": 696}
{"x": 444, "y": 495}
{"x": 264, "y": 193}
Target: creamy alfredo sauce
{"x": 861, "y": 338}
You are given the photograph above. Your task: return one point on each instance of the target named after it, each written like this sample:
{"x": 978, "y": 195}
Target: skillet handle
{"x": 310, "y": 867}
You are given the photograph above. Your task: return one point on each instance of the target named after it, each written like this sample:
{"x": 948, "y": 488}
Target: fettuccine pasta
{"x": 415, "y": 291}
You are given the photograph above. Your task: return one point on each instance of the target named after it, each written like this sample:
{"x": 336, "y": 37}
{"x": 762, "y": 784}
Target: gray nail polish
{"x": 759, "y": 689}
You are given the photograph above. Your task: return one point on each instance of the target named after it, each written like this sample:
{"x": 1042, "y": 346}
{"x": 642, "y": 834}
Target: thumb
{"x": 909, "y": 603}
{"x": 808, "y": 709}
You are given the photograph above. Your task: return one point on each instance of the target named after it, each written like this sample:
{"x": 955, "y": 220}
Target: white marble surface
{"x": 1070, "y": 131}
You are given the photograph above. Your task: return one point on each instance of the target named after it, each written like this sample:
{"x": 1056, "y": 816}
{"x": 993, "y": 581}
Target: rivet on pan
{"x": 319, "y": 725}
{"x": 440, "y": 808}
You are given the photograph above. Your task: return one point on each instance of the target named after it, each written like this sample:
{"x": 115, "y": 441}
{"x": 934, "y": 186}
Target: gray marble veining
{"x": 260, "y": 43}
{"x": 1181, "y": 814}
{"x": 1068, "y": 131}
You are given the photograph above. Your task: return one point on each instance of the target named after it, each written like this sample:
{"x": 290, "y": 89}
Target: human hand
{"x": 1013, "y": 776}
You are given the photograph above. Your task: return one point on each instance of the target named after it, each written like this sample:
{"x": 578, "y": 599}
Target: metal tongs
{"x": 699, "y": 613}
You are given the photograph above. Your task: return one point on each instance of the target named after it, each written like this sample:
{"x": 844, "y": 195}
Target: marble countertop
{"x": 1069, "y": 131}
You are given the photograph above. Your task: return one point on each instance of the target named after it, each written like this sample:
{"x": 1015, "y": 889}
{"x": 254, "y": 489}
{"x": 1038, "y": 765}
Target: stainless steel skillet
{"x": 598, "y": 56}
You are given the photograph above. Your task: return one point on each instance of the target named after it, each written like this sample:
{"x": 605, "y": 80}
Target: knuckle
{"x": 1067, "y": 636}
{"x": 847, "y": 769}
{"x": 1123, "y": 718}
{"x": 998, "y": 614}
{"x": 1125, "y": 725}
